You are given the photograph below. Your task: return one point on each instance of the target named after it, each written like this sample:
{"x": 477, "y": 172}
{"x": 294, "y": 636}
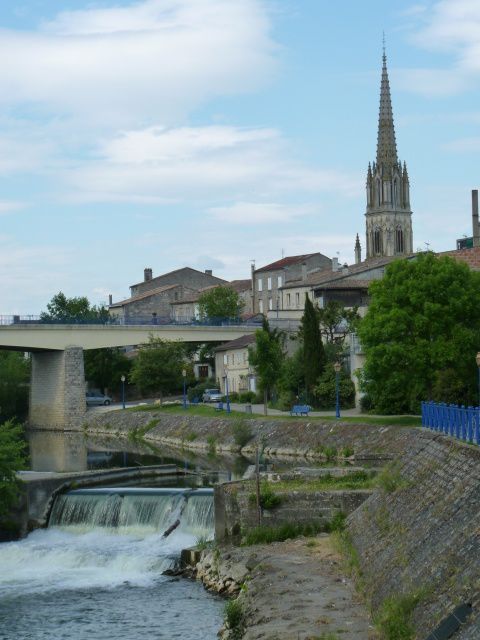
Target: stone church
{"x": 388, "y": 215}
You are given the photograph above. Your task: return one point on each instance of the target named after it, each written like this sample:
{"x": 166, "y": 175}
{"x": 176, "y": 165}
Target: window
{"x": 270, "y": 304}
{"x": 279, "y": 281}
{"x": 297, "y": 300}
{"x": 377, "y": 242}
{"x": 379, "y": 194}
{"x": 288, "y": 299}
{"x": 225, "y": 359}
{"x": 260, "y": 306}
{"x": 399, "y": 245}
{"x": 260, "y": 284}
{"x": 269, "y": 284}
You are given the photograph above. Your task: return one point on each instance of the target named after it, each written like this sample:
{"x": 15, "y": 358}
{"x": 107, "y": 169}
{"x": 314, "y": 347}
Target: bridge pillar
{"x": 57, "y": 389}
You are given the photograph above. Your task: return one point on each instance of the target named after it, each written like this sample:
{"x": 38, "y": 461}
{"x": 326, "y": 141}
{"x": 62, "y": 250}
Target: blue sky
{"x": 166, "y": 133}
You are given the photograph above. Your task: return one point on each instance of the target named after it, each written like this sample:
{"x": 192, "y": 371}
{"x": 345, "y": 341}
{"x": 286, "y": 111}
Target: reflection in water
{"x": 55, "y": 451}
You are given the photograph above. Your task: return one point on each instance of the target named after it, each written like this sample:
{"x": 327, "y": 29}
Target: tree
{"x": 421, "y": 333}
{"x": 267, "y": 357}
{"x": 336, "y": 322}
{"x": 158, "y": 367}
{"x": 105, "y": 367}
{"x": 62, "y": 308}
{"x": 14, "y": 379}
{"x": 313, "y": 351}
{"x": 12, "y": 459}
{"x": 220, "y": 302}
{"x": 325, "y": 391}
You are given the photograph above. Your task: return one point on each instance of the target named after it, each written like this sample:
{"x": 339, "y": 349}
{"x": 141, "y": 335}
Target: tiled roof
{"x": 284, "y": 262}
{"x": 238, "y": 343}
{"x": 471, "y": 256}
{"x": 170, "y": 273}
{"x": 240, "y": 285}
{"x": 142, "y": 296}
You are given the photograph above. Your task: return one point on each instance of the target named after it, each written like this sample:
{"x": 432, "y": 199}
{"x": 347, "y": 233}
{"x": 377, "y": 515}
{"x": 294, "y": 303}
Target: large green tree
{"x": 14, "y": 379}
{"x": 421, "y": 334}
{"x": 220, "y": 303}
{"x": 77, "y": 308}
{"x": 158, "y": 367}
{"x": 313, "y": 351}
{"x": 336, "y": 322}
{"x": 267, "y": 356}
{"x": 105, "y": 367}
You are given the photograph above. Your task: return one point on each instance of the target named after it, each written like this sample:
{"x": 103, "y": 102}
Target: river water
{"x": 88, "y": 578}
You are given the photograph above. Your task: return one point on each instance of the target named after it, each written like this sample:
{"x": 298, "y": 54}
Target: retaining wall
{"x": 425, "y": 535}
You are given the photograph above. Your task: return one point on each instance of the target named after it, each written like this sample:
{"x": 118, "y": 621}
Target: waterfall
{"x": 144, "y": 511}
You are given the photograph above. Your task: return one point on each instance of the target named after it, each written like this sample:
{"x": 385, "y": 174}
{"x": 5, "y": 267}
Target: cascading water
{"x": 105, "y": 551}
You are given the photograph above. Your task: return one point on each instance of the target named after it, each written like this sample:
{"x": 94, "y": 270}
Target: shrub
{"x": 246, "y": 396}
{"x": 234, "y": 617}
{"x": 366, "y": 403}
{"x": 212, "y": 446}
{"x": 285, "y": 401}
{"x": 325, "y": 391}
{"x": 242, "y": 432}
{"x": 233, "y": 397}
{"x": 268, "y": 498}
{"x": 394, "y": 619}
{"x": 12, "y": 459}
{"x": 390, "y": 479}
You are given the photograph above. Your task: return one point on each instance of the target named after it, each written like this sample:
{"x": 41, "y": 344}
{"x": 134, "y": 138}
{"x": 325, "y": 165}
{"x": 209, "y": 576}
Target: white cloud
{"x": 152, "y": 59}
{"x": 471, "y": 144}
{"x": 253, "y": 213}
{"x": 158, "y": 165}
{"x": 10, "y": 206}
{"x": 449, "y": 26}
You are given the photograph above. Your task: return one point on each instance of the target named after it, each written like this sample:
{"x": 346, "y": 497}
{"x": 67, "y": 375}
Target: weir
{"x": 123, "y": 510}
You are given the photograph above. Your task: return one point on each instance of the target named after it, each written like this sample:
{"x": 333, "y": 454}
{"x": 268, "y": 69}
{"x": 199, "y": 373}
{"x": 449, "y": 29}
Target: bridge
{"x": 57, "y": 387}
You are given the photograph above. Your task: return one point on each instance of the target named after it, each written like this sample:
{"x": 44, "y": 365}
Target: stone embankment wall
{"x": 279, "y": 437}
{"x": 424, "y": 535}
{"x": 236, "y": 509}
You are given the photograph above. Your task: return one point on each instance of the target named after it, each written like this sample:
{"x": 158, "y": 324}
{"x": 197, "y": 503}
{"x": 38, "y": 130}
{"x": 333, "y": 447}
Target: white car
{"x": 93, "y": 398}
{"x": 212, "y": 395}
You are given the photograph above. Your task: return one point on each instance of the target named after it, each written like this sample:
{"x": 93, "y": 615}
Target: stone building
{"x": 186, "y": 308}
{"x": 190, "y": 278}
{"x": 154, "y": 305}
{"x": 231, "y": 362}
{"x": 268, "y": 281}
{"x": 388, "y": 214}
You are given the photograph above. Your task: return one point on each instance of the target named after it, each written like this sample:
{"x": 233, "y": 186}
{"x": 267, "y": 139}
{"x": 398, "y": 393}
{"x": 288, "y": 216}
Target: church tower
{"x": 388, "y": 215}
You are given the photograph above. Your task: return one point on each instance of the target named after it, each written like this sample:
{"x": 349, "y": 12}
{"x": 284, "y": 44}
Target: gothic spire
{"x": 386, "y": 145}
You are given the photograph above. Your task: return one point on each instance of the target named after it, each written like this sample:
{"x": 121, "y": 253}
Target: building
{"x": 186, "y": 309}
{"x": 231, "y": 363}
{"x": 190, "y": 278}
{"x": 268, "y": 281}
{"x": 388, "y": 214}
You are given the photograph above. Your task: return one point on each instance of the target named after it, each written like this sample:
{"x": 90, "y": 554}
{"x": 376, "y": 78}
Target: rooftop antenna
{"x": 283, "y": 253}
{"x": 427, "y": 244}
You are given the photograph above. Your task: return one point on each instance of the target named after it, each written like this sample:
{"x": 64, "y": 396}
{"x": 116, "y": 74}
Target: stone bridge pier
{"x": 57, "y": 389}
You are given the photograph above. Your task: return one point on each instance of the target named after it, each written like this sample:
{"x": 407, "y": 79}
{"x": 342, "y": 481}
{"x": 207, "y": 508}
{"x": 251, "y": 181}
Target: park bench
{"x": 219, "y": 407}
{"x": 300, "y": 410}
{"x": 195, "y": 401}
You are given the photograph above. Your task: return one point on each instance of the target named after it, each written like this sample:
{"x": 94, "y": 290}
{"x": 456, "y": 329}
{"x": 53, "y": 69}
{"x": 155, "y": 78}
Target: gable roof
{"x": 238, "y": 343}
{"x": 175, "y": 271}
{"x": 286, "y": 262}
{"x": 146, "y": 294}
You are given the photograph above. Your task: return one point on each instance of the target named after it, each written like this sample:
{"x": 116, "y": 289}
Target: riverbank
{"x": 284, "y": 590}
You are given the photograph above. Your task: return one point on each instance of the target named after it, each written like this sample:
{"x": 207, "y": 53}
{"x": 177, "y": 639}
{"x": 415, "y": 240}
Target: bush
{"x": 366, "y": 403}
{"x": 246, "y": 396}
{"x": 268, "y": 498}
{"x": 285, "y": 401}
{"x": 12, "y": 459}
{"x": 234, "y": 616}
{"x": 394, "y": 618}
{"x": 325, "y": 391}
{"x": 233, "y": 397}
{"x": 242, "y": 432}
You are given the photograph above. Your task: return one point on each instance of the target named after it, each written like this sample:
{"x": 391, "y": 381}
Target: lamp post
{"x": 184, "y": 374}
{"x": 226, "y": 389}
{"x": 123, "y": 391}
{"x": 477, "y": 360}
{"x": 337, "y": 366}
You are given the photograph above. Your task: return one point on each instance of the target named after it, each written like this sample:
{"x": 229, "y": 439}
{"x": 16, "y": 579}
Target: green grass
{"x": 234, "y": 618}
{"x": 355, "y": 480}
{"x": 394, "y": 618}
{"x": 209, "y": 411}
{"x": 267, "y": 534}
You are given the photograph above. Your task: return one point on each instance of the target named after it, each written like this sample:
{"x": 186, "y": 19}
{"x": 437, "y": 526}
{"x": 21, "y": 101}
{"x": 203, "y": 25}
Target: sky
{"x": 210, "y": 133}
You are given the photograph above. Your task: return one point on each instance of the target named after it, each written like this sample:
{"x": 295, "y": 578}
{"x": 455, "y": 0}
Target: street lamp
{"x": 123, "y": 391}
{"x": 477, "y": 360}
{"x": 226, "y": 389}
{"x": 337, "y": 366}
{"x": 184, "y": 374}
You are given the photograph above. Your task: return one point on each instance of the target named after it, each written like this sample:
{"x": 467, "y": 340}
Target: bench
{"x": 219, "y": 407}
{"x": 300, "y": 410}
{"x": 195, "y": 401}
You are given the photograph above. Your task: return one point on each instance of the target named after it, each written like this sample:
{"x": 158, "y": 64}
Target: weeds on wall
{"x": 394, "y": 618}
{"x": 234, "y": 618}
{"x": 268, "y": 498}
{"x": 242, "y": 432}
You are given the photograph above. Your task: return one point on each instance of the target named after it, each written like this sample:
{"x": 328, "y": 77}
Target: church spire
{"x": 386, "y": 144}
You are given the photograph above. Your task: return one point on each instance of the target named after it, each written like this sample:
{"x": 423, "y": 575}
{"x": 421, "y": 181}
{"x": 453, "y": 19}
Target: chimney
{"x": 335, "y": 266}
{"x": 110, "y": 299}
{"x": 304, "y": 272}
{"x": 476, "y": 230}
{"x": 147, "y": 275}
{"x": 208, "y": 272}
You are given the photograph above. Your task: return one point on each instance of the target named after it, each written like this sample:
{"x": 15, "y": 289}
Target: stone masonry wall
{"x": 425, "y": 535}
{"x": 235, "y": 511}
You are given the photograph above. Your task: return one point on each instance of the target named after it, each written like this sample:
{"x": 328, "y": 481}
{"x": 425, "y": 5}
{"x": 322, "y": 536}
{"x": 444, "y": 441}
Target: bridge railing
{"x": 128, "y": 321}
{"x": 453, "y": 420}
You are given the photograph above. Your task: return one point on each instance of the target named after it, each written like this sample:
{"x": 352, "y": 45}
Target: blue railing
{"x": 452, "y": 420}
{"x": 134, "y": 320}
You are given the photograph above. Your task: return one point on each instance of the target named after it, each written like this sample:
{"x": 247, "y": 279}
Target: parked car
{"x": 212, "y": 395}
{"x": 93, "y": 398}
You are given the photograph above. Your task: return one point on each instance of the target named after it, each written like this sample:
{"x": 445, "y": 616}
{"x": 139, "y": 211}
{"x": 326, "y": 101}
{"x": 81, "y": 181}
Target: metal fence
{"x": 133, "y": 320}
{"x": 453, "y": 420}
